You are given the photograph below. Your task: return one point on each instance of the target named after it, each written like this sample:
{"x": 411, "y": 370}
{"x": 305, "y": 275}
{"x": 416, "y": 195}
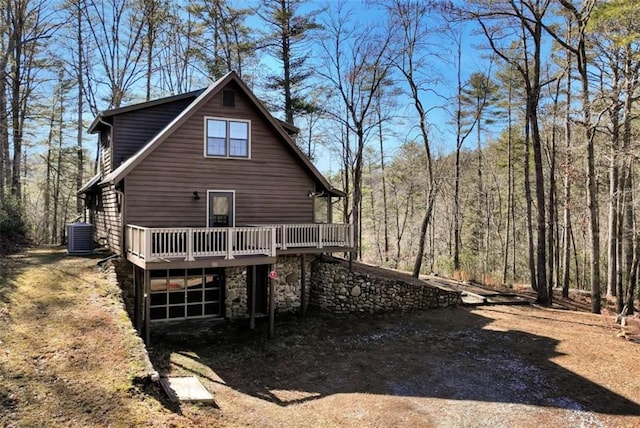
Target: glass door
{"x": 221, "y": 209}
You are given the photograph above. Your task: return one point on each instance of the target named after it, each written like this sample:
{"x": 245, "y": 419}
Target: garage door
{"x": 186, "y": 293}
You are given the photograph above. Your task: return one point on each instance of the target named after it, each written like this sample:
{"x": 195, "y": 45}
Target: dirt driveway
{"x": 67, "y": 359}
{"x": 495, "y": 366}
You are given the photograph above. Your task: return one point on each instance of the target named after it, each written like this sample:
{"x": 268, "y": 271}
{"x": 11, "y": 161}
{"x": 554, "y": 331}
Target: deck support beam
{"x": 252, "y": 302}
{"x": 303, "y": 286}
{"x": 147, "y": 307}
{"x": 272, "y": 301}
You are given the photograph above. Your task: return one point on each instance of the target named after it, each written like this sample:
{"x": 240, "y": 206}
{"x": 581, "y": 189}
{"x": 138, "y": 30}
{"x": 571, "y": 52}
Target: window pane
{"x": 216, "y": 129}
{"x": 212, "y": 295}
{"x": 158, "y": 299}
{"x": 158, "y": 313}
{"x": 176, "y": 283}
{"x": 194, "y": 296}
{"x": 238, "y": 139}
{"x": 159, "y": 284}
{"x": 220, "y": 205}
{"x": 194, "y": 310}
{"x": 238, "y": 130}
{"x": 176, "y": 312}
{"x": 176, "y": 298}
{"x": 216, "y": 146}
{"x": 320, "y": 210}
{"x": 238, "y": 148}
{"x": 213, "y": 281}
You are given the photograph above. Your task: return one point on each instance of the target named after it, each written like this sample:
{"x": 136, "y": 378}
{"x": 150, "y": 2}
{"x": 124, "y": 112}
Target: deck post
{"x": 252, "y": 302}
{"x": 284, "y": 236}
{"x": 303, "y": 286}
{"x": 272, "y": 301}
{"x": 147, "y": 307}
{"x": 274, "y": 244}
{"x": 148, "y": 250}
{"x": 229, "y": 244}
{"x": 137, "y": 315}
{"x": 189, "y": 257}
{"x": 319, "y": 236}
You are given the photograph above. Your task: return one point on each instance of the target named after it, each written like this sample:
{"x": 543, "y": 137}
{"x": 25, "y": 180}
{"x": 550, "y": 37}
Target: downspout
{"x": 110, "y": 126}
{"x": 120, "y": 193}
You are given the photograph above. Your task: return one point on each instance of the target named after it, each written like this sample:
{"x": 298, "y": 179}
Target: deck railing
{"x": 189, "y": 242}
{"x": 316, "y": 235}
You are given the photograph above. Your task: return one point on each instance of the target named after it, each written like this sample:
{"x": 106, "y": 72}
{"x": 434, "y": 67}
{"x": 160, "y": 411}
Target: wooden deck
{"x": 232, "y": 246}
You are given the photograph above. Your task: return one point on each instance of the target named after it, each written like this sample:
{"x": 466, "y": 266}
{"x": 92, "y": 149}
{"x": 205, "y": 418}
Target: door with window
{"x": 221, "y": 209}
{"x": 220, "y": 213}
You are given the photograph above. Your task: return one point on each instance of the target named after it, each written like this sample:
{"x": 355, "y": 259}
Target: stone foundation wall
{"x": 288, "y": 284}
{"x": 235, "y": 293}
{"x": 287, "y": 287}
{"x": 123, "y": 270}
{"x": 334, "y": 288}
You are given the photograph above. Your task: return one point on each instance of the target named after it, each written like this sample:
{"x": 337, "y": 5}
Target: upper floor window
{"x": 227, "y": 138}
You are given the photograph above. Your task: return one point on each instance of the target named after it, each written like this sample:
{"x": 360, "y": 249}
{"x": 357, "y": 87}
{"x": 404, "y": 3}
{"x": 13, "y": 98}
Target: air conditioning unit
{"x": 79, "y": 239}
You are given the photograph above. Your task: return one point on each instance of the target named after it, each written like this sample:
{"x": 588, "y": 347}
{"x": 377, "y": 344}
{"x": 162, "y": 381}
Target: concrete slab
{"x": 186, "y": 389}
{"x": 472, "y": 299}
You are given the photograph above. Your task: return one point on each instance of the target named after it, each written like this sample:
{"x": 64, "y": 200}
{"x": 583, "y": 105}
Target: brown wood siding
{"x": 271, "y": 187}
{"x": 107, "y": 224}
{"x": 105, "y": 153}
{"x": 134, "y": 129}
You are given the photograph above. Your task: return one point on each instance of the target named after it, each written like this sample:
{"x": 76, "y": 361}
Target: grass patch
{"x": 69, "y": 357}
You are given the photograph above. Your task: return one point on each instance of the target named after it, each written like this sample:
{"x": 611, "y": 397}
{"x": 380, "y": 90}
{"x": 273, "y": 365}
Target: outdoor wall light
{"x": 196, "y": 196}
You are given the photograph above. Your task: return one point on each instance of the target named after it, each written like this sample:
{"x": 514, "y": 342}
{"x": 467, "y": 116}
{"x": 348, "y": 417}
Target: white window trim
{"x": 228, "y": 156}
{"x": 233, "y": 202}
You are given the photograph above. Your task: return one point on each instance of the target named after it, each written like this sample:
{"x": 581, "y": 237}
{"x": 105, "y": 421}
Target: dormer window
{"x": 227, "y": 138}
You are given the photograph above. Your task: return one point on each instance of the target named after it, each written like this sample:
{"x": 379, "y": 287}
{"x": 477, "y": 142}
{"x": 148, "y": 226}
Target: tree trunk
{"x": 80, "y": 126}
{"x": 509, "y": 185}
{"x": 384, "y": 185}
{"x": 529, "y": 203}
{"x": 16, "y": 97}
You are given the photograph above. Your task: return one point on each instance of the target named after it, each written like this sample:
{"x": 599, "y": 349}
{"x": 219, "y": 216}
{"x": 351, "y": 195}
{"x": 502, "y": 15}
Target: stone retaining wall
{"x": 334, "y": 288}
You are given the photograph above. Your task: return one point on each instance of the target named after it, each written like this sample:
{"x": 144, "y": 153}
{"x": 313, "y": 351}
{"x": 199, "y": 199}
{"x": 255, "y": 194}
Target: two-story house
{"x": 216, "y": 208}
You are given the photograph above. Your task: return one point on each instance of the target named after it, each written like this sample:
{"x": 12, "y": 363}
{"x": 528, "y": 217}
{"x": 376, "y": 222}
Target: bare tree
{"x": 524, "y": 21}
{"x": 27, "y": 26}
{"x": 357, "y": 64}
{"x": 116, "y": 28}
{"x": 174, "y": 52}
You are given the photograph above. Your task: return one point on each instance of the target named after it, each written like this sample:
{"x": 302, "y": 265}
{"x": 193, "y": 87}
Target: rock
{"x": 292, "y": 278}
{"x": 355, "y": 291}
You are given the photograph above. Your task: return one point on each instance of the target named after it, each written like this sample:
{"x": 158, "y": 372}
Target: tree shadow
{"x": 43, "y": 373}
{"x": 443, "y": 354}
{"x": 12, "y": 267}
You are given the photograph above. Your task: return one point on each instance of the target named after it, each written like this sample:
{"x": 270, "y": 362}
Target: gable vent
{"x": 228, "y": 99}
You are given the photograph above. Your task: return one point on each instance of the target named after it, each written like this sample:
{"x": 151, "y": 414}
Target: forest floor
{"x": 67, "y": 359}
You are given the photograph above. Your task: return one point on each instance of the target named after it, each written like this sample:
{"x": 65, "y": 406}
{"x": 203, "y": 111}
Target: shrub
{"x": 12, "y": 225}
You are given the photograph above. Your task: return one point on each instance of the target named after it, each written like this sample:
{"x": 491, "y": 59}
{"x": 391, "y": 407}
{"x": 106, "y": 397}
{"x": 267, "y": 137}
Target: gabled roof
{"x": 93, "y": 128}
{"x": 119, "y": 173}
